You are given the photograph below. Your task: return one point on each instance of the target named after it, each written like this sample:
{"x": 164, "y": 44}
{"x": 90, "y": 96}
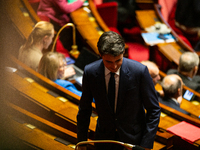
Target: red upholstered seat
{"x": 137, "y": 52}
{"x": 132, "y": 31}
{"x": 108, "y": 12}
{"x": 60, "y": 48}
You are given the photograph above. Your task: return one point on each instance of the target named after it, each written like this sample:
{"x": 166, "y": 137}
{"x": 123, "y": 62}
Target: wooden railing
{"x": 39, "y": 100}
{"x": 169, "y": 52}
{"x": 37, "y": 131}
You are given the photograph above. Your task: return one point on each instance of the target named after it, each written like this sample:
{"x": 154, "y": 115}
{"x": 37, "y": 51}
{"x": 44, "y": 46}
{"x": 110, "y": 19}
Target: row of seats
{"x": 36, "y": 95}
{"x": 161, "y": 126}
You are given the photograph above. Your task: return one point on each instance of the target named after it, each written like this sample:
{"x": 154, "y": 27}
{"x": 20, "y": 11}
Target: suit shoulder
{"x": 132, "y": 64}
{"x": 172, "y": 71}
{"x": 93, "y": 65}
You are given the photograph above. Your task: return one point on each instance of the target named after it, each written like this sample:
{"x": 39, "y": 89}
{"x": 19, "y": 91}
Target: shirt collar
{"x": 175, "y": 101}
{"x": 108, "y": 71}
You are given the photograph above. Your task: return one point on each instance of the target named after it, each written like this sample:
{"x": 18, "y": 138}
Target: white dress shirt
{"x": 107, "y": 78}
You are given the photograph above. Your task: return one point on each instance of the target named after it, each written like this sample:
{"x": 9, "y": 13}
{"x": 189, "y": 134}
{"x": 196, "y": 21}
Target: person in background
{"x": 187, "y": 70}
{"x": 40, "y": 38}
{"x": 154, "y": 72}
{"x": 197, "y": 46}
{"x": 187, "y": 19}
{"x": 53, "y": 65}
{"x": 121, "y": 113}
{"x": 172, "y": 86}
{"x": 58, "y": 12}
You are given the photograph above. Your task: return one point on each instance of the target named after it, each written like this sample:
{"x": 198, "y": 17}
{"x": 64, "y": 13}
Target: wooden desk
{"x": 167, "y": 121}
{"x": 87, "y": 26}
{"x": 20, "y": 17}
{"x": 170, "y": 51}
{"x": 44, "y": 81}
{"x": 90, "y": 25}
{"x": 41, "y": 102}
{"x": 147, "y": 18}
{"x": 29, "y": 129}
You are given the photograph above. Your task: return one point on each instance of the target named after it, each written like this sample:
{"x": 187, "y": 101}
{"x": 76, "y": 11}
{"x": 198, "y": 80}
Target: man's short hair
{"x": 188, "y": 61}
{"x": 111, "y": 43}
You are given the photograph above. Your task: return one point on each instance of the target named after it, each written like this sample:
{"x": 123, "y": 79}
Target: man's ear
{"x": 179, "y": 91}
{"x": 195, "y": 70}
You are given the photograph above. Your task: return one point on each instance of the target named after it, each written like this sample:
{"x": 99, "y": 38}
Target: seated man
{"x": 187, "y": 69}
{"x": 172, "y": 87}
{"x": 154, "y": 72}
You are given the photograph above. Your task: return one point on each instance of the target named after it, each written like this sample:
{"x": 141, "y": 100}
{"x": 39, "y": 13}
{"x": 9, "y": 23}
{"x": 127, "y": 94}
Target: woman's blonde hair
{"x": 40, "y": 30}
{"x": 49, "y": 64}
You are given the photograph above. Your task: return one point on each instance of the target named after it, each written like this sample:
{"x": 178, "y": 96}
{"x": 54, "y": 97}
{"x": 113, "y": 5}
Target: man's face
{"x": 155, "y": 75}
{"x": 112, "y": 63}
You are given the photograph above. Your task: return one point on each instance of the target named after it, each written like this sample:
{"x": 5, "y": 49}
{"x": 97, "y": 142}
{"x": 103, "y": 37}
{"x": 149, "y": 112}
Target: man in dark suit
{"x": 172, "y": 86}
{"x": 187, "y": 69}
{"x": 125, "y": 120}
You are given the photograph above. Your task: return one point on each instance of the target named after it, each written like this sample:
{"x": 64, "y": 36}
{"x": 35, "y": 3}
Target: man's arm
{"x": 152, "y": 107}
{"x": 85, "y": 110}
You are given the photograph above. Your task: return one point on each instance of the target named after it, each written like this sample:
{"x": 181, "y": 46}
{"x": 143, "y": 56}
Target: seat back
{"x": 108, "y": 12}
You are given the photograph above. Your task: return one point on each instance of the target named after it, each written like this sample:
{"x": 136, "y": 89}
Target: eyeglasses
{"x": 63, "y": 66}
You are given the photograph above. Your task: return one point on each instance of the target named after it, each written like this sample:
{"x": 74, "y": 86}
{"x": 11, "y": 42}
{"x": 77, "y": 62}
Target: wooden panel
{"x": 19, "y": 16}
{"x": 170, "y": 51}
{"x": 146, "y": 18}
{"x": 47, "y": 101}
{"x": 33, "y": 136}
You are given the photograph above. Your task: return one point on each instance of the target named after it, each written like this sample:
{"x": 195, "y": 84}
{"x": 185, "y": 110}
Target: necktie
{"x": 111, "y": 91}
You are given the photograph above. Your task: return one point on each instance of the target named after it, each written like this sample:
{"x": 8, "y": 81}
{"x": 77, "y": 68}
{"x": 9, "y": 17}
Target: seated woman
{"x": 53, "y": 65}
{"x": 40, "y": 38}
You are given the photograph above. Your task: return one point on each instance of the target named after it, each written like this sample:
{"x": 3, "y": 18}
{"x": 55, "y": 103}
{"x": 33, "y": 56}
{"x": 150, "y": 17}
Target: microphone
{"x": 74, "y": 51}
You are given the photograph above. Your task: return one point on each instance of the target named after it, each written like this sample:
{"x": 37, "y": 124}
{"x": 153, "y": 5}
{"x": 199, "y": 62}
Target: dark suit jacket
{"x": 193, "y": 84}
{"x": 169, "y": 102}
{"x": 136, "y": 92}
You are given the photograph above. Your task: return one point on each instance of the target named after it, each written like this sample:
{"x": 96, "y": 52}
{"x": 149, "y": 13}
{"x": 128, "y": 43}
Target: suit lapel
{"x": 100, "y": 81}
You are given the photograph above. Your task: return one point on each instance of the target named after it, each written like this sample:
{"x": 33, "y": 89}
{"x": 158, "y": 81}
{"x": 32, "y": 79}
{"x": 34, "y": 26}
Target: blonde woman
{"x": 40, "y": 38}
{"x": 53, "y": 65}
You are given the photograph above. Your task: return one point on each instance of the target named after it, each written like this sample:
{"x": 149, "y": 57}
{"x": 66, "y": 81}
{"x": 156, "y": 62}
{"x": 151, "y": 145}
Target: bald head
{"x": 171, "y": 84}
{"x": 153, "y": 70}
